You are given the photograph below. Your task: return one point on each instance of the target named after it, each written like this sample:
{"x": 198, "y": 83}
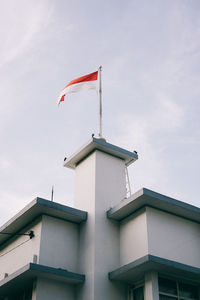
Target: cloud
{"x": 150, "y": 54}
{"x": 168, "y": 115}
{"x": 144, "y": 131}
{"x": 5, "y": 164}
{"x": 20, "y": 22}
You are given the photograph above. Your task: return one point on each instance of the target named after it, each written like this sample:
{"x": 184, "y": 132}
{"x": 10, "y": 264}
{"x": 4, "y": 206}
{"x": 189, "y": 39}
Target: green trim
{"x": 136, "y": 269}
{"x": 27, "y": 274}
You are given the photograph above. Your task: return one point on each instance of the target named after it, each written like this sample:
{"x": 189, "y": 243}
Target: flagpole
{"x": 100, "y": 103}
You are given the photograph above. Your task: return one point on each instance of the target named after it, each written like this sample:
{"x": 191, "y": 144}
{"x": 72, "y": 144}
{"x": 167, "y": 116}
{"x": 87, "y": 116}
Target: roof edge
{"x": 149, "y": 262}
{"x": 26, "y": 274}
{"x": 146, "y": 197}
{"x": 35, "y": 209}
{"x": 101, "y": 145}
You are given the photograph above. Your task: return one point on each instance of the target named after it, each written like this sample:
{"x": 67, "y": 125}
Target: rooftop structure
{"x": 107, "y": 246}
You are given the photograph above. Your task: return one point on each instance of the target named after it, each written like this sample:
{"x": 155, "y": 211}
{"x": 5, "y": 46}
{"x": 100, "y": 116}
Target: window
{"x": 136, "y": 293}
{"x": 174, "y": 290}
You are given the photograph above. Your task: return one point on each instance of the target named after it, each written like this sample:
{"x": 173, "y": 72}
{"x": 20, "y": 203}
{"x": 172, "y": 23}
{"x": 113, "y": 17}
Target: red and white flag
{"x": 85, "y": 82}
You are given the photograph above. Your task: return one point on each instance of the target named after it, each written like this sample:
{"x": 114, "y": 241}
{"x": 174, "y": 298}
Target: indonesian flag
{"x": 85, "y": 82}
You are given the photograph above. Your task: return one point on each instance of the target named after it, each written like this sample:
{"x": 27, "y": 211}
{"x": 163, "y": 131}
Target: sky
{"x": 150, "y": 56}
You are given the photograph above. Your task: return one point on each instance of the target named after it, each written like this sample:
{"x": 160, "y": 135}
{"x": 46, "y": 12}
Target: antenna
{"x": 52, "y": 193}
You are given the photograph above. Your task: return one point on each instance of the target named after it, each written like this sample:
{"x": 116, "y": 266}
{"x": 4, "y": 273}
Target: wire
{"x": 14, "y": 248}
{"x": 31, "y": 234}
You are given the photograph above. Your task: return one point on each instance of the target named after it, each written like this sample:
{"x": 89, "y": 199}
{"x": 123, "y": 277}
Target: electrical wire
{"x": 14, "y": 248}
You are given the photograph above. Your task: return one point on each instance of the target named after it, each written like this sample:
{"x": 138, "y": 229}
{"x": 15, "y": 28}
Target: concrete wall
{"x": 133, "y": 238}
{"x": 100, "y": 172}
{"x": 110, "y": 189}
{"x": 55, "y": 244}
{"x": 59, "y": 244}
{"x": 99, "y": 184}
{"x": 46, "y": 289}
{"x": 161, "y": 234}
{"x": 20, "y": 250}
{"x": 110, "y": 180}
{"x": 84, "y": 199}
{"x": 173, "y": 238}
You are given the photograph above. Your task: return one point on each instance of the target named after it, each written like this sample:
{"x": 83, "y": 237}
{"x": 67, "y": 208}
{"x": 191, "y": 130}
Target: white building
{"x": 108, "y": 247}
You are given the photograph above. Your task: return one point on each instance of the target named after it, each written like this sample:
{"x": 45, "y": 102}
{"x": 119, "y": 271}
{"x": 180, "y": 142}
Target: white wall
{"x": 59, "y": 244}
{"x": 97, "y": 173}
{"x": 46, "y": 289}
{"x": 110, "y": 180}
{"x": 84, "y": 199}
{"x": 173, "y": 238}
{"x": 110, "y": 189}
{"x": 20, "y": 251}
{"x": 55, "y": 244}
{"x": 99, "y": 184}
{"x": 133, "y": 238}
{"x": 161, "y": 234}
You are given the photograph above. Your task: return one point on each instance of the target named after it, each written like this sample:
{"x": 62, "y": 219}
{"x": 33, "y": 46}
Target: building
{"x": 108, "y": 247}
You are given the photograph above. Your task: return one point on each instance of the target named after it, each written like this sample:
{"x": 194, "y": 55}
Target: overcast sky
{"x": 150, "y": 53}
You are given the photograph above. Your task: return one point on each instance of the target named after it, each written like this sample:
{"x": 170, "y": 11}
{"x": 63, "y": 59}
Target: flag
{"x": 85, "y": 82}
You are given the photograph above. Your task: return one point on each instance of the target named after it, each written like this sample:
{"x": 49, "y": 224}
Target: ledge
{"x": 145, "y": 197}
{"x": 136, "y": 270}
{"x": 24, "y": 277}
{"x": 37, "y": 208}
{"x": 103, "y": 146}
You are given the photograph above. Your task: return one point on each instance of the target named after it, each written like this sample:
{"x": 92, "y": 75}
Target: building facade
{"x": 106, "y": 247}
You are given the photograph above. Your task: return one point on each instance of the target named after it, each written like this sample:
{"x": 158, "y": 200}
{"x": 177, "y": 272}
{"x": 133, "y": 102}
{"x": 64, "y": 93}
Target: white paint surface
{"x": 173, "y": 238}
{"x": 20, "y": 251}
{"x": 99, "y": 184}
{"x": 46, "y": 289}
{"x": 133, "y": 238}
{"x": 59, "y": 244}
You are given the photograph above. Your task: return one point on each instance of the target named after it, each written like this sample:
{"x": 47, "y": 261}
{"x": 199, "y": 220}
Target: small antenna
{"x": 52, "y": 193}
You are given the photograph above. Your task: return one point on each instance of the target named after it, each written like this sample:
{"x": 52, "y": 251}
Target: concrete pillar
{"x": 100, "y": 183}
{"x": 151, "y": 286}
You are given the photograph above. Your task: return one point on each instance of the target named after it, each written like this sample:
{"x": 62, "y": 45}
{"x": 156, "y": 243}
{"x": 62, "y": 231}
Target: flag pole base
{"x": 101, "y": 138}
